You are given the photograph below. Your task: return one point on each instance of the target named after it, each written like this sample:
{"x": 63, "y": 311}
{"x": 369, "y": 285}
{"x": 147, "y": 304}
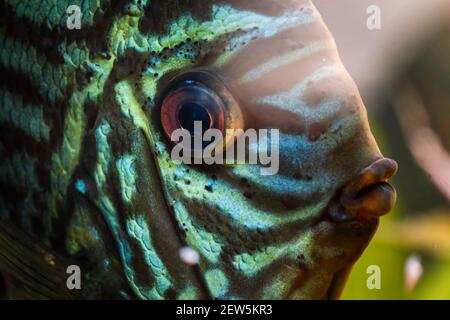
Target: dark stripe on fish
{"x": 46, "y": 39}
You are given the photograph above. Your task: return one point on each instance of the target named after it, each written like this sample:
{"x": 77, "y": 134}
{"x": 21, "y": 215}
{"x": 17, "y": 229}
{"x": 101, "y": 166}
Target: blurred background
{"x": 402, "y": 68}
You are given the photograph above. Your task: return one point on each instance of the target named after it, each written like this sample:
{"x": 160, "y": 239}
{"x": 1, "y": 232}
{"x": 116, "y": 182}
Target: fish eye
{"x": 199, "y": 97}
{"x": 192, "y": 102}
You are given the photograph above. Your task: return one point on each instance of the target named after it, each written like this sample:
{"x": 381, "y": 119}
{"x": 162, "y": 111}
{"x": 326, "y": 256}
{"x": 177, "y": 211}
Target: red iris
{"x": 191, "y": 102}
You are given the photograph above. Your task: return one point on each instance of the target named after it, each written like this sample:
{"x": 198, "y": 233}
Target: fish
{"x": 86, "y": 173}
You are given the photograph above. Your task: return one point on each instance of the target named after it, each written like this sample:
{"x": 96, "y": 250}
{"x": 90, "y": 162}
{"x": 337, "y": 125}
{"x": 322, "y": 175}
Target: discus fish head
{"x": 292, "y": 231}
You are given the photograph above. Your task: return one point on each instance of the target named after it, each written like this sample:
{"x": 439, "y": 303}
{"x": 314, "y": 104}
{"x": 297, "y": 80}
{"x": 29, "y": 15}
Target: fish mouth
{"x": 369, "y": 195}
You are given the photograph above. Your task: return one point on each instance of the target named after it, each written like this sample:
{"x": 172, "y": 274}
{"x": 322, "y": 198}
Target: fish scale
{"x": 106, "y": 188}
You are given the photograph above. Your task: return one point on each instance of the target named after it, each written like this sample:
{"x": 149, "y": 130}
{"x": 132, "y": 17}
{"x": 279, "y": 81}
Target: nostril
{"x": 369, "y": 195}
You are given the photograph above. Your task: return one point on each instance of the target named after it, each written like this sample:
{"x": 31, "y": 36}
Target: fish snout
{"x": 369, "y": 195}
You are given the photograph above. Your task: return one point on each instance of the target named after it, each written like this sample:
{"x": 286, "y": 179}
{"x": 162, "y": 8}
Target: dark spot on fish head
{"x": 290, "y": 202}
{"x": 244, "y": 181}
{"x": 249, "y": 194}
{"x": 316, "y": 130}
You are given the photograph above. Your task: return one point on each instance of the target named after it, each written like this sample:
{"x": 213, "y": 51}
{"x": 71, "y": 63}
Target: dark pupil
{"x": 191, "y": 112}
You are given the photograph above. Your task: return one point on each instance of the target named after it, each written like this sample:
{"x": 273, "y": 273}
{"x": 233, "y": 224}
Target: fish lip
{"x": 369, "y": 195}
